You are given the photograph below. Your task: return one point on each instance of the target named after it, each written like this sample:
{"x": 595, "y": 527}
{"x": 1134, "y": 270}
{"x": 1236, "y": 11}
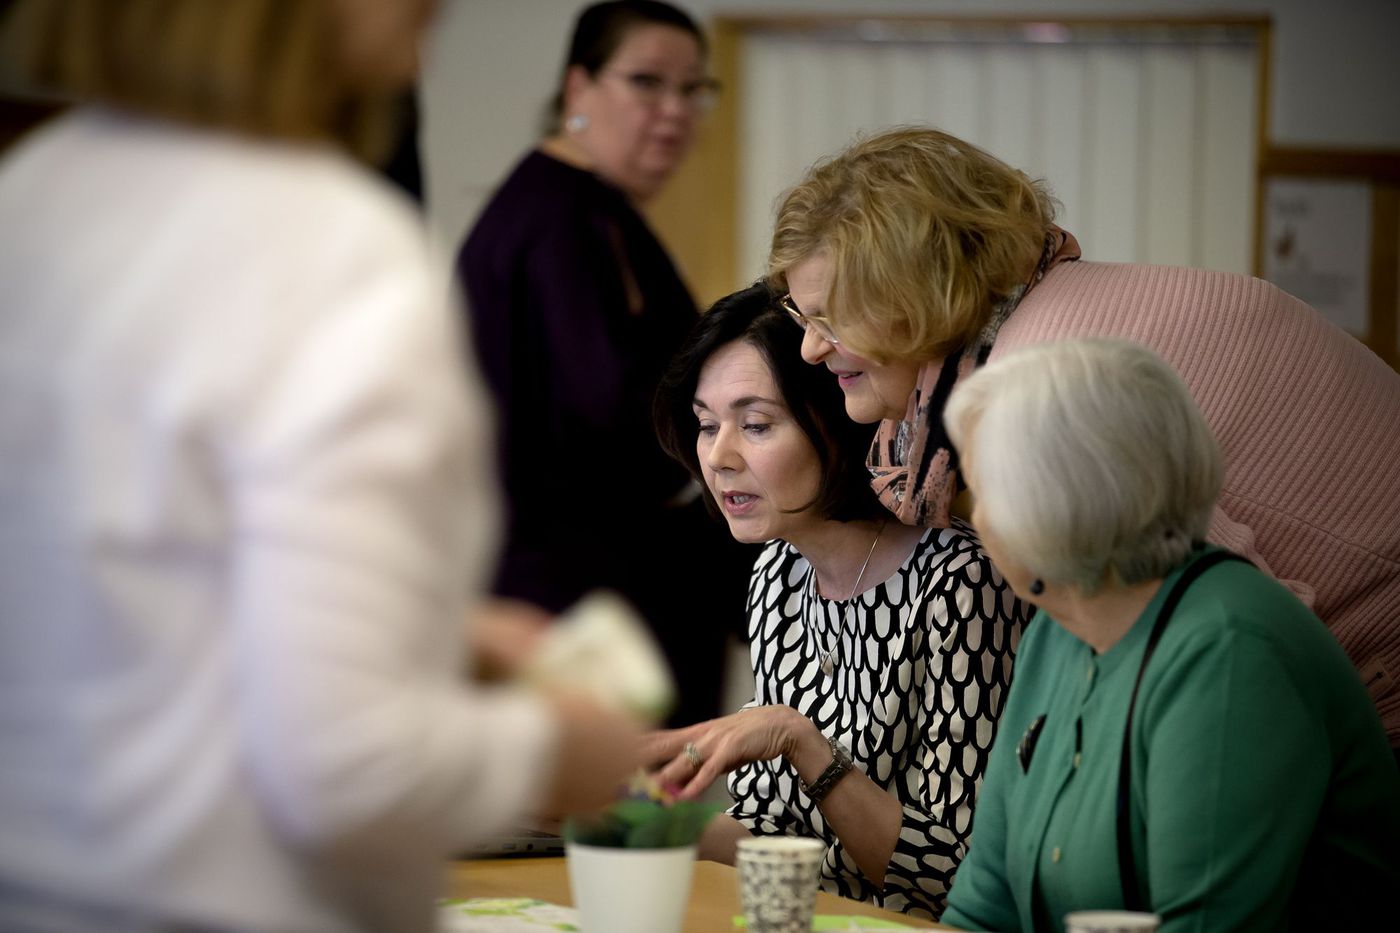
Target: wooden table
{"x": 714, "y": 894}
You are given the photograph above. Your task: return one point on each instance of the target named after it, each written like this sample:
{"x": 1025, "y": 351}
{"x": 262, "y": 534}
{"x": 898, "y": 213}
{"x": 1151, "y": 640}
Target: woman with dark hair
{"x": 576, "y": 308}
{"x": 881, "y": 651}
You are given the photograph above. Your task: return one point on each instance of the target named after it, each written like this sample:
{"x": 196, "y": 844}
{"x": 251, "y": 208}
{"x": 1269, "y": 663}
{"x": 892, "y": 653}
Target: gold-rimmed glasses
{"x": 817, "y": 322}
{"x": 700, "y": 94}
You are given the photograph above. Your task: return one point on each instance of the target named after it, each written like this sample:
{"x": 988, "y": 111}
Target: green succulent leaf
{"x": 636, "y": 812}
{"x": 643, "y": 824}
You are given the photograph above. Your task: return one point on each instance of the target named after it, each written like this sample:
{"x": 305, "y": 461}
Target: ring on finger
{"x": 692, "y": 755}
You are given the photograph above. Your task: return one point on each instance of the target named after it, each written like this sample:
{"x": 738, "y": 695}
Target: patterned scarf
{"x": 912, "y": 462}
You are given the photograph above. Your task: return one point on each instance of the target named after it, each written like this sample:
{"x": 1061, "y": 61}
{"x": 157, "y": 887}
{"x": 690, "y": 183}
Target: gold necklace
{"x": 828, "y": 662}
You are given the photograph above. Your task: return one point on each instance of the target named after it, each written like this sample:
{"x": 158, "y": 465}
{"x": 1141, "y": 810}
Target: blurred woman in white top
{"x": 244, "y": 504}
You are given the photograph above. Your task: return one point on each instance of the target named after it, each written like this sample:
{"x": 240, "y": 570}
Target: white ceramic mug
{"x": 1111, "y": 921}
{"x": 778, "y": 882}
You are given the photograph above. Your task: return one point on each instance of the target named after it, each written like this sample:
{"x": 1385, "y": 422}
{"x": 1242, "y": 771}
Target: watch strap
{"x": 840, "y": 766}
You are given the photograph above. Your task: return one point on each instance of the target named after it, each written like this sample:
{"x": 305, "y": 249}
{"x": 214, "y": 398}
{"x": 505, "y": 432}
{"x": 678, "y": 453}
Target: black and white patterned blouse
{"x": 920, "y": 674}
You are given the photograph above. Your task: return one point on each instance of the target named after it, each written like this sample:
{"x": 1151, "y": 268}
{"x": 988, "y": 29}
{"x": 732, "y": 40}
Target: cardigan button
{"x": 1055, "y": 854}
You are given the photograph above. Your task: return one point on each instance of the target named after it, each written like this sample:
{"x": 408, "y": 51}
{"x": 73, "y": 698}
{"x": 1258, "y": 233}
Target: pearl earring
{"x": 576, "y": 123}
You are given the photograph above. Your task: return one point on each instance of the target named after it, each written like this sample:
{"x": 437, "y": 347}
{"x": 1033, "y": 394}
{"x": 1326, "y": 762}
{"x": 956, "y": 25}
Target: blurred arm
{"x": 363, "y": 523}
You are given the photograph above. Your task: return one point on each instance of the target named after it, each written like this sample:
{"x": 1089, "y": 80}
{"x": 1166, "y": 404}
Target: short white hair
{"x": 1091, "y": 462}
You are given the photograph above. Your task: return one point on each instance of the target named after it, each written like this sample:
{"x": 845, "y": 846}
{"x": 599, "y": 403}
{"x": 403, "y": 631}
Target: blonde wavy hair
{"x": 924, "y": 232}
{"x": 271, "y": 68}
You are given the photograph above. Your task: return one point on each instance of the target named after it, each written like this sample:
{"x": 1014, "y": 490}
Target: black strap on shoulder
{"x": 1127, "y": 869}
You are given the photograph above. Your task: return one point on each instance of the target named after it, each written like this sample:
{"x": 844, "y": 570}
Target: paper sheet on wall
{"x": 1317, "y": 246}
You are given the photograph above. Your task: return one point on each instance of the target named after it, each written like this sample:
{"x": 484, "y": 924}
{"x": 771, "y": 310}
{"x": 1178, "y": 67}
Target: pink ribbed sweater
{"x": 1308, "y": 419}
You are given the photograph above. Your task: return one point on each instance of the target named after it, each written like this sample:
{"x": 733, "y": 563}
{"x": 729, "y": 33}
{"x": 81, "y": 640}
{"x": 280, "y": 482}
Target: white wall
{"x": 493, "y": 64}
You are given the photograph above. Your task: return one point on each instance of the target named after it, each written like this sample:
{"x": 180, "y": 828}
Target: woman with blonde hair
{"x": 915, "y": 257}
{"x": 1182, "y": 735}
{"x": 243, "y": 510}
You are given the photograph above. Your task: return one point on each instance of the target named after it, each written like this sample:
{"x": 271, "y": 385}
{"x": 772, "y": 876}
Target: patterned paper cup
{"x": 778, "y": 882}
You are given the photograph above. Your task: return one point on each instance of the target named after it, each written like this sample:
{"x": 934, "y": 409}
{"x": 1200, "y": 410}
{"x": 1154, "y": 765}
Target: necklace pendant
{"x": 828, "y": 665}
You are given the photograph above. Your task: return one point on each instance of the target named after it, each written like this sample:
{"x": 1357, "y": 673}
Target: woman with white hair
{"x": 1186, "y": 737}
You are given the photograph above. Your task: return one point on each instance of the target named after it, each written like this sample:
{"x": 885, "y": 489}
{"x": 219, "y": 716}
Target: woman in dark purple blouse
{"x": 576, "y": 310}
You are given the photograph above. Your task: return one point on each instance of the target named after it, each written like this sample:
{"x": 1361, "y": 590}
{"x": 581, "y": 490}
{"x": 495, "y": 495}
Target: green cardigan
{"x": 1264, "y": 792}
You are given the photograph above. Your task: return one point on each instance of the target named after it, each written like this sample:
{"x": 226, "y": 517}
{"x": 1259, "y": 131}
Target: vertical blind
{"x": 1146, "y": 136}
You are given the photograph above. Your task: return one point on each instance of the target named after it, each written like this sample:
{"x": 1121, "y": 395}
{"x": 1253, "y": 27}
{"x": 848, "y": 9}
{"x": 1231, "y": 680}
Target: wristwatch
{"x": 840, "y": 766}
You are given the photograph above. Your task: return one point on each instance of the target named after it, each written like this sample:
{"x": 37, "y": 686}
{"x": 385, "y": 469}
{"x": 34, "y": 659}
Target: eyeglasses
{"x": 817, "y": 322}
{"x": 651, "y": 89}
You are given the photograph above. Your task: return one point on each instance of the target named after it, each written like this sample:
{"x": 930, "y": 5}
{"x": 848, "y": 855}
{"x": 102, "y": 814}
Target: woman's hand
{"x": 865, "y": 817}
{"x": 759, "y": 734}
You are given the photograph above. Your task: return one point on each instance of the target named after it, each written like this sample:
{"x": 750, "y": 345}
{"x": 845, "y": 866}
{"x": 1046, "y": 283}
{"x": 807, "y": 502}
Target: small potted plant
{"x": 630, "y": 865}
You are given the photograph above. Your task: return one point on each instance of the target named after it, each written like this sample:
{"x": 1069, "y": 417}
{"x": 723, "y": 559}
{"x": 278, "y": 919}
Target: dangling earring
{"x": 1037, "y": 586}
{"x": 576, "y": 123}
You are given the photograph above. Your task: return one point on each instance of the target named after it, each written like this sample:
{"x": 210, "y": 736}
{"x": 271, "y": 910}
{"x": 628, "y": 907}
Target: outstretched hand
{"x": 504, "y": 633}
{"x": 721, "y": 745}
